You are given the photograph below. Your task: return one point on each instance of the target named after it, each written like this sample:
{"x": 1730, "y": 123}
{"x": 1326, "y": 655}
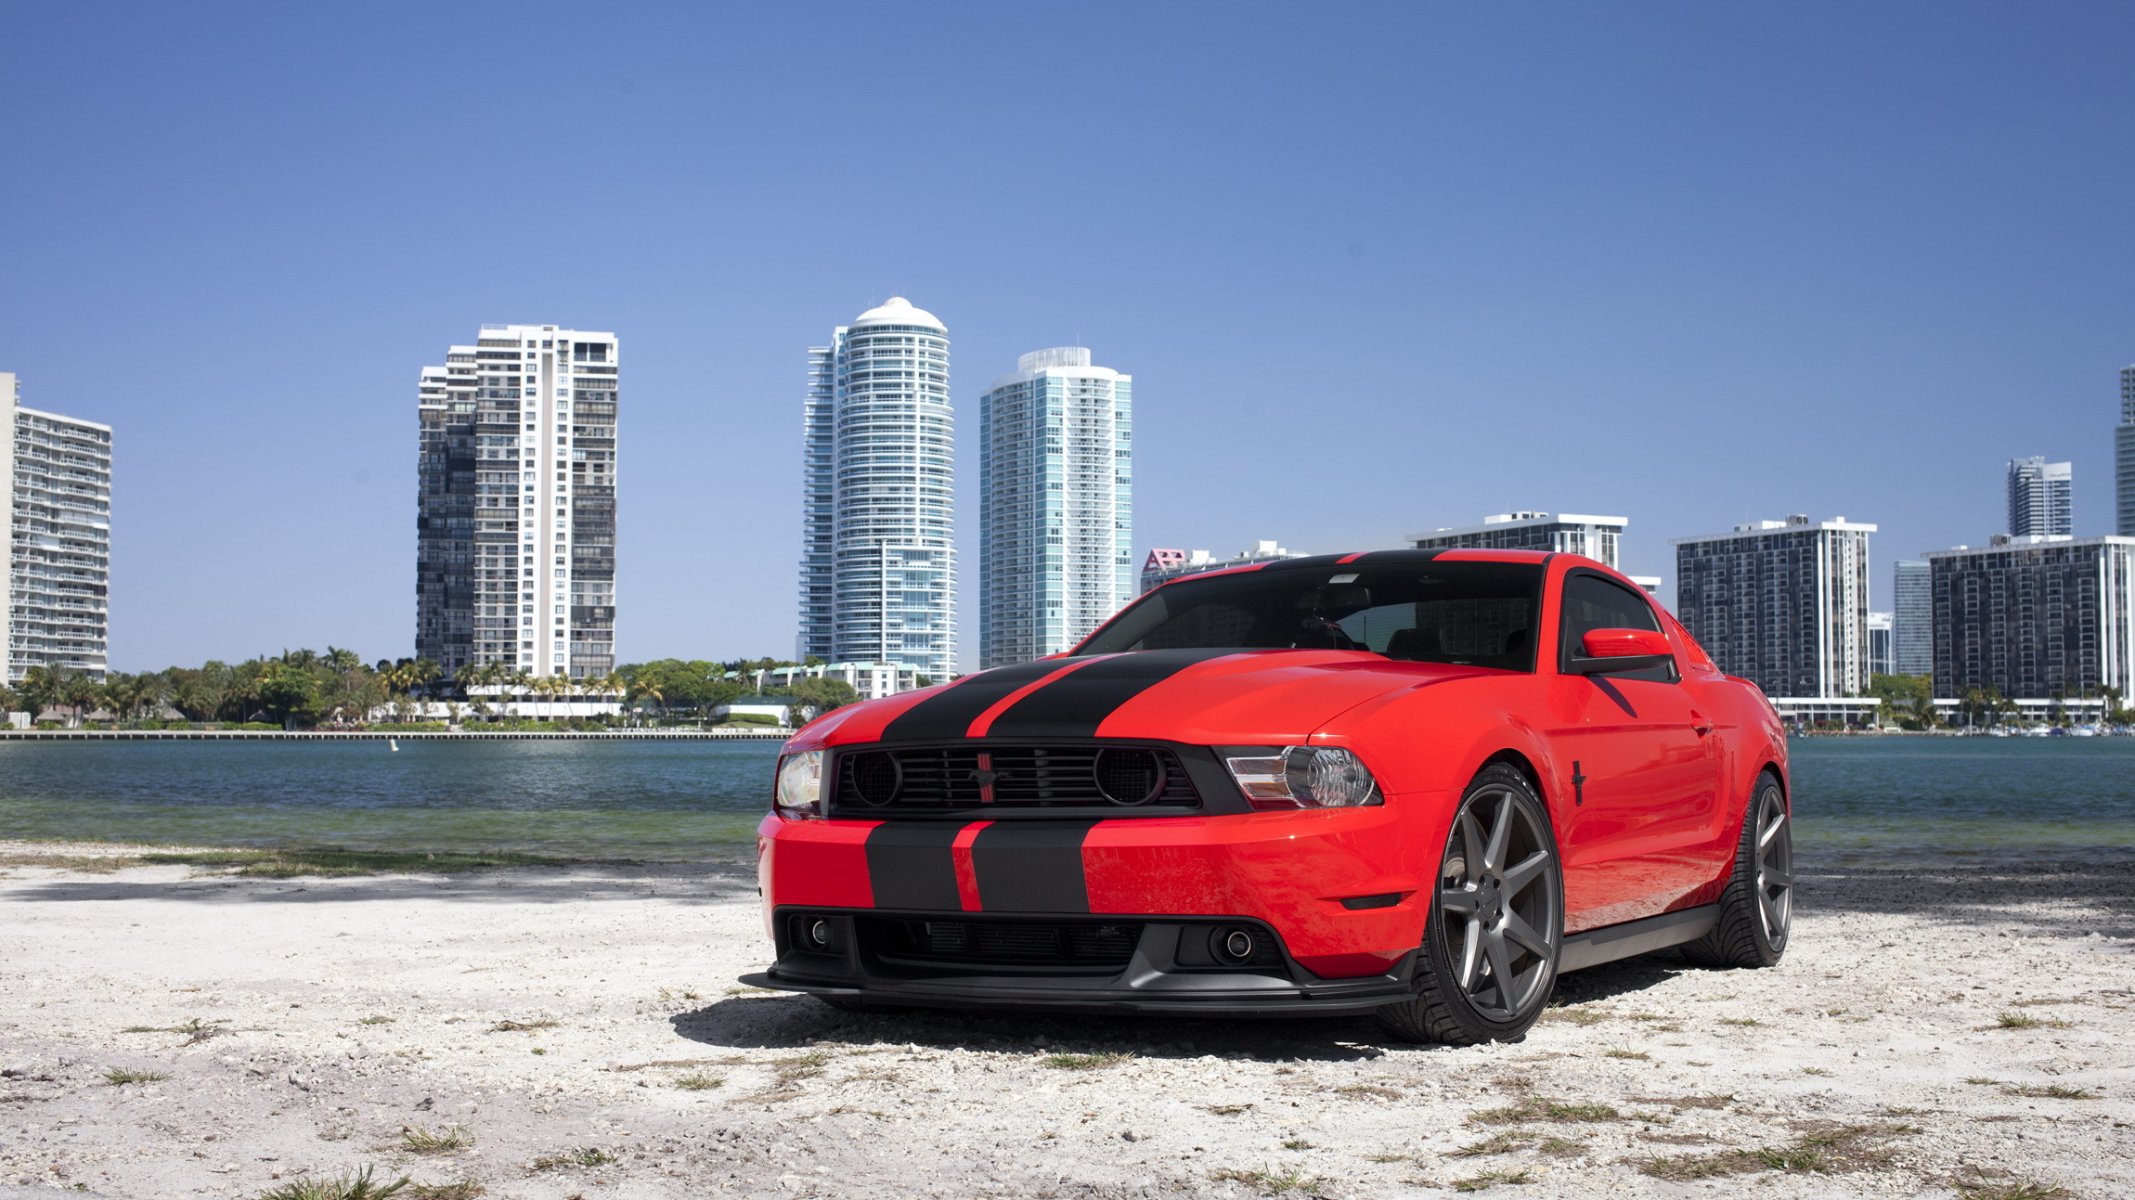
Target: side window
{"x": 1591, "y": 602}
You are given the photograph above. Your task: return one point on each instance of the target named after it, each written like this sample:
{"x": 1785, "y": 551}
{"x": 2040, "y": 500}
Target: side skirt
{"x": 1611, "y": 942}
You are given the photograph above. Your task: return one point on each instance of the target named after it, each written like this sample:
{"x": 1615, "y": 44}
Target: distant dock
{"x": 365, "y": 735}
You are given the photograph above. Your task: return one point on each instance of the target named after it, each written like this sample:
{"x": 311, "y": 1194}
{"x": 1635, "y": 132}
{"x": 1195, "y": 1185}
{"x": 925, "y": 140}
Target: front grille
{"x": 953, "y": 778}
{"x": 999, "y": 943}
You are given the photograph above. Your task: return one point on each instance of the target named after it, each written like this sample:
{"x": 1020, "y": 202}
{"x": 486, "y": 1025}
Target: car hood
{"x": 1253, "y": 697}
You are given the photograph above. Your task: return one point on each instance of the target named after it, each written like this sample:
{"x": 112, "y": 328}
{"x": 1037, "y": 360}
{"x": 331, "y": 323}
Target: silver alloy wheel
{"x": 1500, "y": 921}
{"x": 1775, "y": 867}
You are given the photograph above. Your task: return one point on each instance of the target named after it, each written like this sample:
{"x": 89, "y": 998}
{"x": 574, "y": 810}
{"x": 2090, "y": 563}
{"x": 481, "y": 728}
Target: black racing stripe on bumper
{"x": 1031, "y": 866}
{"x": 910, "y": 865}
{"x": 950, "y": 713}
{"x": 1076, "y": 705}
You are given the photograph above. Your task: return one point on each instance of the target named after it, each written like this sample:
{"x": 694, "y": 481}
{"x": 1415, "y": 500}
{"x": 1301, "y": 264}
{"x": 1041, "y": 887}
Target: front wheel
{"x": 1757, "y": 906}
{"x": 1495, "y": 924}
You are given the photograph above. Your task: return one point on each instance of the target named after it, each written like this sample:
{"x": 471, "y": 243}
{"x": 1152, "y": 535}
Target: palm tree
{"x": 39, "y": 690}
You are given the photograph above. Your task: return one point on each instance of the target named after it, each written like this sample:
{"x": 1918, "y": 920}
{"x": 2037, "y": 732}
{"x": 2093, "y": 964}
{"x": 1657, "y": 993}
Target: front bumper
{"x": 1174, "y": 965}
{"x": 1340, "y": 895}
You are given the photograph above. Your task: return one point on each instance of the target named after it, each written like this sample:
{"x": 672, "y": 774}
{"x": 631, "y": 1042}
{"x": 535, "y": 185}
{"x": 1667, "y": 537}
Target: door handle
{"x": 1699, "y": 723}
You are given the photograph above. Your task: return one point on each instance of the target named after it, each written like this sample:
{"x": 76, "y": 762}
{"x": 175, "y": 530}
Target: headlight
{"x": 1291, "y": 777}
{"x": 800, "y": 784}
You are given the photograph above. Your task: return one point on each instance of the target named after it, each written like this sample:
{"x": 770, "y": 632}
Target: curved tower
{"x": 878, "y": 565}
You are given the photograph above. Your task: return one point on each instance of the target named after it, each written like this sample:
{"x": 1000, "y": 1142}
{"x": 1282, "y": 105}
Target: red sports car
{"x": 1413, "y": 783}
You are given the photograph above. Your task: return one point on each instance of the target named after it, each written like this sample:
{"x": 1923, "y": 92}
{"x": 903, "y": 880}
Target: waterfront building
{"x": 1912, "y": 635}
{"x": 515, "y": 508}
{"x": 1881, "y": 654}
{"x": 2041, "y": 501}
{"x": 878, "y": 479}
{"x": 2124, "y": 457}
{"x": 1781, "y": 603}
{"x": 2035, "y": 617}
{"x": 1598, "y": 538}
{"x": 1056, "y": 507}
{"x": 56, "y": 575}
{"x": 1163, "y": 566}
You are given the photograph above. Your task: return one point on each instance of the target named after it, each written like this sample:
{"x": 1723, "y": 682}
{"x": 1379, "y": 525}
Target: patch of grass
{"x": 2011, "y": 1189}
{"x": 742, "y": 989}
{"x": 1504, "y": 1142}
{"x": 417, "y": 1140}
{"x": 1575, "y": 1016}
{"x": 1266, "y": 1180}
{"x": 1634, "y": 1055}
{"x": 195, "y": 1030}
{"x": 802, "y": 1066}
{"x": 1534, "y": 1109}
{"x": 1740, "y": 1021}
{"x": 1227, "y": 1110}
{"x": 120, "y": 1077}
{"x": 699, "y": 1082}
{"x": 1712, "y": 1100}
{"x": 1814, "y": 1071}
{"x": 1490, "y": 1179}
{"x": 374, "y": 1020}
{"x": 1085, "y": 1062}
{"x": 581, "y": 1156}
{"x": 2017, "y": 1020}
{"x": 523, "y": 1026}
{"x": 291, "y": 863}
{"x": 464, "y": 1189}
{"x": 1830, "y": 1150}
{"x": 2054, "y": 1091}
{"x": 1297, "y": 1144}
{"x": 1386, "y": 1158}
{"x": 1981, "y": 1081}
{"x": 1557, "y": 1147}
{"x": 1368, "y": 1089}
{"x": 359, "y": 1186}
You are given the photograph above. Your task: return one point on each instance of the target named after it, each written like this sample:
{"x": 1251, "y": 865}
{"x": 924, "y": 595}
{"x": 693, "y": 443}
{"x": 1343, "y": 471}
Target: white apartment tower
{"x": 56, "y": 575}
{"x": 878, "y": 480}
{"x": 1783, "y": 604}
{"x": 1056, "y": 504}
{"x": 2041, "y": 498}
{"x": 515, "y": 544}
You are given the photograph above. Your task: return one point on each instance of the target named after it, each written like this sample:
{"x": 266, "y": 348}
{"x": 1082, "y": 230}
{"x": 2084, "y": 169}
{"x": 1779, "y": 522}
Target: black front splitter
{"x": 1344, "y": 997}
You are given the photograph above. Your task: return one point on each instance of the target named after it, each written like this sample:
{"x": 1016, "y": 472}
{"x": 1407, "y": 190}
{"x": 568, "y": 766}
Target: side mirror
{"x": 1616, "y": 651}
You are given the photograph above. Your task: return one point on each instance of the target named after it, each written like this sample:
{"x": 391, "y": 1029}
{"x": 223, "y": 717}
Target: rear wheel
{"x": 1757, "y": 906}
{"x": 1496, "y": 920}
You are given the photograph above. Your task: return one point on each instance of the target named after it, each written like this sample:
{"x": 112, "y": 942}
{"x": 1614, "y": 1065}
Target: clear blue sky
{"x": 1375, "y": 269}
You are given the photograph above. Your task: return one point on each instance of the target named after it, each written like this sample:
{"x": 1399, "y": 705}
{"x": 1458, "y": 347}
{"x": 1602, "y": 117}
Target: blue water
{"x": 685, "y": 800}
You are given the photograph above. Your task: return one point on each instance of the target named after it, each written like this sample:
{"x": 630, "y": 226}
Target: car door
{"x": 1642, "y": 768}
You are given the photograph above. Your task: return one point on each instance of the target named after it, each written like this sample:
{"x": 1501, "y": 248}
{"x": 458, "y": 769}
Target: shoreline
{"x": 174, "y": 1030}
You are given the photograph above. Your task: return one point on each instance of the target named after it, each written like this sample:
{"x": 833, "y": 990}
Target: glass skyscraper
{"x": 1056, "y": 504}
{"x": 2124, "y": 457}
{"x": 1912, "y": 634}
{"x": 878, "y": 479}
{"x": 2041, "y": 502}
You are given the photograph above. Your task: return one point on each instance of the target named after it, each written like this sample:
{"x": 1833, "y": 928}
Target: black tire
{"x": 1508, "y": 929}
{"x": 1757, "y": 906}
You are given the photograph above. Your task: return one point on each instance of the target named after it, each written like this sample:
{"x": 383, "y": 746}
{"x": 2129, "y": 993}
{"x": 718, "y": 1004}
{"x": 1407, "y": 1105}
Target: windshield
{"x": 1480, "y": 614}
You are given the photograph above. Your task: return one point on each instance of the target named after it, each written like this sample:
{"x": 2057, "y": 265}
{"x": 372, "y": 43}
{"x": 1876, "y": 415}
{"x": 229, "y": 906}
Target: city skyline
{"x": 1848, "y": 263}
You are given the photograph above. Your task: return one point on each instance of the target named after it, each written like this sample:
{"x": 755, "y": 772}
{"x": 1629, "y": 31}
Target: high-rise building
{"x": 1880, "y": 652}
{"x": 1912, "y": 635}
{"x": 2124, "y": 457}
{"x": 56, "y": 577}
{"x": 515, "y": 541}
{"x": 2031, "y": 617}
{"x": 878, "y": 477}
{"x": 1163, "y": 566}
{"x": 1598, "y": 538}
{"x": 1781, "y": 603}
{"x": 1056, "y": 504}
{"x": 2040, "y": 498}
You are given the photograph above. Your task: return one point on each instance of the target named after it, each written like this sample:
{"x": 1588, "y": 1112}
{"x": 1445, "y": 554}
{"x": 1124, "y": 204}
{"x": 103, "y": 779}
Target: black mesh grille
{"x": 1000, "y": 943}
{"x": 947, "y": 779}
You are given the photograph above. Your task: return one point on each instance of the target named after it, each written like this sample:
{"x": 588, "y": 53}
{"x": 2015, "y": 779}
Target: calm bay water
{"x": 681, "y": 800}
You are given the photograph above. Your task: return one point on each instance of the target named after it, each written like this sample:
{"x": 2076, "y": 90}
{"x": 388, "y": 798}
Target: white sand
{"x": 1884, "y": 1015}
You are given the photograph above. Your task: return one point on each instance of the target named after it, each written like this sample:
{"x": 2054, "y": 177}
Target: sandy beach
{"x": 1948, "y": 1025}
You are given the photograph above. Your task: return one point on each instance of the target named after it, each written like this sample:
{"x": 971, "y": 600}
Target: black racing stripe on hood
{"x": 1076, "y": 705}
{"x": 910, "y": 865}
{"x": 1032, "y": 866}
{"x": 949, "y": 714}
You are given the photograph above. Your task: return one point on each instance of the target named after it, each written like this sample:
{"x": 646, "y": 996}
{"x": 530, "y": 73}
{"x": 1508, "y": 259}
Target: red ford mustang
{"x": 1414, "y": 783}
